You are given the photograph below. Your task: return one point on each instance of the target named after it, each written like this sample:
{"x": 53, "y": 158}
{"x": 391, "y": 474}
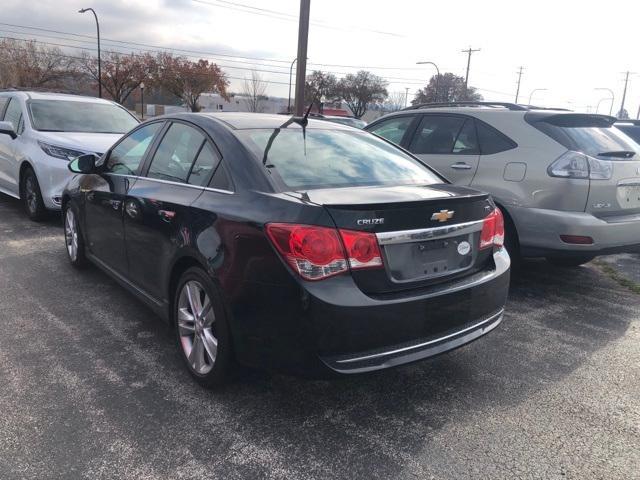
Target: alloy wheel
{"x": 196, "y": 321}
{"x": 31, "y": 194}
{"x": 71, "y": 234}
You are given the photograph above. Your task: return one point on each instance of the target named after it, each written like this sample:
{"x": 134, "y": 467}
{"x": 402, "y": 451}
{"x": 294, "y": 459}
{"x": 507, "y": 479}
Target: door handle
{"x": 461, "y": 166}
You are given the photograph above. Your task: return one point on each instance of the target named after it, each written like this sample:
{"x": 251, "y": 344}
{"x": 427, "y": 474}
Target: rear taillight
{"x": 316, "y": 252}
{"x": 492, "y": 234}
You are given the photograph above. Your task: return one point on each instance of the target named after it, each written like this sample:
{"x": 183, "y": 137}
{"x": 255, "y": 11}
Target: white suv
{"x": 41, "y": 132}
{"x": 568, "y": 183}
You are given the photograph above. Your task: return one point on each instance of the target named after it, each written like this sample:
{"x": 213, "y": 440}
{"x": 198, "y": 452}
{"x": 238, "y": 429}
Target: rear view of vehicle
{"x": 398, "y": 265}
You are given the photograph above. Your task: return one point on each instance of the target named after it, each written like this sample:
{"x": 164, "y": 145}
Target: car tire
{"x": 74, "y": 241}
{"x": 512, "y": 244}
{"x": 202, "y": 330}
{"x": 32, "y": 196}
{"x": 574, "y": 261}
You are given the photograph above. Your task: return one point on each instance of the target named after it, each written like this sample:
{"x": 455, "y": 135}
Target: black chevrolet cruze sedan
{"x": 302, "y": 246}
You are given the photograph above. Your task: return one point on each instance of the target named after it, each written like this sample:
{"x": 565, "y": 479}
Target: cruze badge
{"x": 370, "y": 221}
{"x": 442, "y": 215}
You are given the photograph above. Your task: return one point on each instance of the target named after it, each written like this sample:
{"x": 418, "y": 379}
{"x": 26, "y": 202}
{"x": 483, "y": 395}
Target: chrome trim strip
{"x": 629, "y": 183}
{"x": 424, "y": 344}
{"x": 217, "y": 190}
{"x": 420, "y": 235}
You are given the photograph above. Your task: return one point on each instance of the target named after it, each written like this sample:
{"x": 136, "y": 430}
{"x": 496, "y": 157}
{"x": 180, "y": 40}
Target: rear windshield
{"x": 632, "y": 131}
{"x": 73, "y": 116}
{"x": 591, "y": 137}
{"x": 335, "y": 158}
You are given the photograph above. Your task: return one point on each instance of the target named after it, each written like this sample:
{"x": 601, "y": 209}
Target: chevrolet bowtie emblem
{"x": 442, "y": 215}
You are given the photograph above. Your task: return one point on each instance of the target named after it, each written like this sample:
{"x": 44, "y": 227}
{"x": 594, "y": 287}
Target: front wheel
{"x": 73, "y": 237}
{"x": 32, "y": 196}
{"x": 201, "y": 329}
{"x": 573, "y": 261}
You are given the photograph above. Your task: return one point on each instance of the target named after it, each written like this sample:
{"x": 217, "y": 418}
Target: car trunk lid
{"x": 426, "y": 234}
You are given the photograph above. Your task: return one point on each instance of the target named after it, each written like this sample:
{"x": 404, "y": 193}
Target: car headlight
{"x": 59, "y": 152}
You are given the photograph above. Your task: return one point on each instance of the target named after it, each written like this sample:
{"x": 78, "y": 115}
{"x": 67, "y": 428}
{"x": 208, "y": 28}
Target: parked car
{"x": 630, "y": 127}
{"x": 350, "y": 121}
{"x": 568, "y": 183}
{"x": 43, "y": 132}
{"x": 311, "y": 249}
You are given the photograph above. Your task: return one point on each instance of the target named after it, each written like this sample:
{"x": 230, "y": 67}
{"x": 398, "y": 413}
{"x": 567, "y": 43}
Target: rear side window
{"x": 590, "y": 134}
{"x": 437, "y": 134}
{"x": 334, "y": 158}
{"x": 492, "y": 141}
{"x": 176, "y": 153}
{"x": 204, "y": 165}
{"x": 394, "y": 128}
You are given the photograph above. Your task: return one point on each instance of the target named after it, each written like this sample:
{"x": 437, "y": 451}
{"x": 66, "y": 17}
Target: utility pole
{"x": 303, "y": 39}
{"x": 519, "y": 80}
{"x": 406, "y": 96}
{"x": 466, "y": 78}
{"x": 624, "y": 93}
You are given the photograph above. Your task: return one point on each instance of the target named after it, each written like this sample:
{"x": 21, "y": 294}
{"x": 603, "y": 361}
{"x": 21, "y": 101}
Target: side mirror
{"x": 7, "y": 128}
{"x": 84, "y": 163}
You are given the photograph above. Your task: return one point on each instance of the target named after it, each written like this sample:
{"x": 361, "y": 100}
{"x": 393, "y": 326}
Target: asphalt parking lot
{"x": 92, "y": 387}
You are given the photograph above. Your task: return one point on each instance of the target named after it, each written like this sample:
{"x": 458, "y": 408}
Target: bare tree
{"x": 24, "y": 63}
{"x": 451, "y": 88}
{"x": 395, "y": 101}
{"x": 253, "y": 90}
{"x": 188, "y": 80}
{"x": 320, "y": 84}
{"x": 362, "y": 90}
{"x": 121, "y": 73}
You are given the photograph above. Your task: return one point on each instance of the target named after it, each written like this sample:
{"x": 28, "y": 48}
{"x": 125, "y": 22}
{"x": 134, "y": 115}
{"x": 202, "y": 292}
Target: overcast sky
{"x": 569, "y": 47}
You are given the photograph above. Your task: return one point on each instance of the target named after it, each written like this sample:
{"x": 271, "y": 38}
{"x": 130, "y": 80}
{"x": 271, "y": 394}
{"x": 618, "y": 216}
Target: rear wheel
{"x": 201, "y": 329}
{"x": 570, "y": 261}
{"x": 32, "y": 196}
{"x": 73, "y": 237}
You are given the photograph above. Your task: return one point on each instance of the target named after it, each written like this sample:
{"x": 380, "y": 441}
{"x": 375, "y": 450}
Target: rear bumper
{"x": 539, "y": 232}
{"x": 333, "y": 327}
{"x": 412, "y": 351}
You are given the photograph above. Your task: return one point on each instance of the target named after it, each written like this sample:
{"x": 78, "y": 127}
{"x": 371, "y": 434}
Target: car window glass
{"x": 220, "y": 179}
{"x": 334, "y": 158}
{"x": 394, "y": 128}
{"x": 436, "y": 134}
{"x": 492, "y": 141}
{"x": 204, "y": 165}
{"x": 125, "y": 158}
{"x": 13, "y": 114}
{"x": 3, "y": 103}
{"x": 467, "y": 142}
{"x": 176, "y": 153}
{"x": 80, "y": 116}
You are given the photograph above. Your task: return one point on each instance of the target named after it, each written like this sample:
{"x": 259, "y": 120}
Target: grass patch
{"x": 613, "y": 274}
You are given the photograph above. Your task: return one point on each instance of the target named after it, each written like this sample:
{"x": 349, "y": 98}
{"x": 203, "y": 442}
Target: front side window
{"x": 13, "y": 114}
{"x": 176, "y": 153}
{"x": 75, "y": 116}
{"x": 394, "y": 128}
{"x": 436, "y": 134}
{"x": 334, "y": 158}
{"x": 125, "y": 158}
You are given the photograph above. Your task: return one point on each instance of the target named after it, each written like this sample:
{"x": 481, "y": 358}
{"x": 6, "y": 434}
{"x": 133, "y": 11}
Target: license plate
{"x": 629, "y": 196}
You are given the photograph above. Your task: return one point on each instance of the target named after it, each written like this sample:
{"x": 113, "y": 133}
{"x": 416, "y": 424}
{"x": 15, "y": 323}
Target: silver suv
{"x": 568, "y": 183}
{"x": 42, "y": 133}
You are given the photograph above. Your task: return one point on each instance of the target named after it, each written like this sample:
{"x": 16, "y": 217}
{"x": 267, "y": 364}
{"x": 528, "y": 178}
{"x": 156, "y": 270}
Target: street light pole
{"x": 437, "y": 75}
{"x": 99, "y": 61}
{"x": 612, "y": 97}
{"x": 142, "y": 100}
{"x": 534, "y": 91}
{"x": 303, "y": 39}
{"x": 290, "y": 75}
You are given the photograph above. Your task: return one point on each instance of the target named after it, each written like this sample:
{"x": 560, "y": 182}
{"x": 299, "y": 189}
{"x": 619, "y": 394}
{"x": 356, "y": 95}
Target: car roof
{"x": 246, "y": 120}
{"x": 35, "y": 95}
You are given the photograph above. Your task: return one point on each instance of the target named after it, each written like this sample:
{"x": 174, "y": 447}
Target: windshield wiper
{"x": 618, "y": 154}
